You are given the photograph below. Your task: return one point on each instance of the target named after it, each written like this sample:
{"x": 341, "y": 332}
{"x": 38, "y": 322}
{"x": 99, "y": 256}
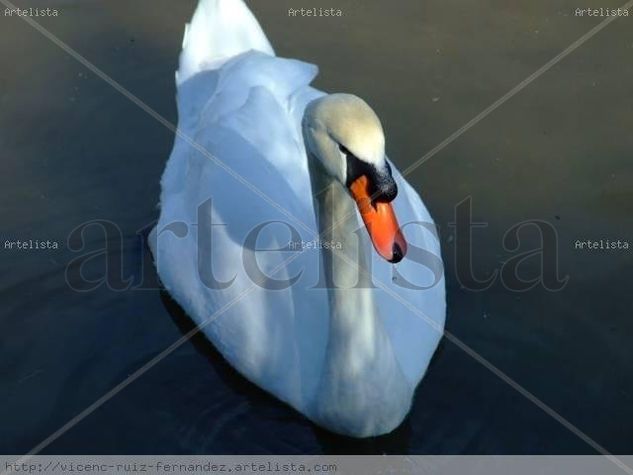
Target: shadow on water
{"x": 396, "y": 442}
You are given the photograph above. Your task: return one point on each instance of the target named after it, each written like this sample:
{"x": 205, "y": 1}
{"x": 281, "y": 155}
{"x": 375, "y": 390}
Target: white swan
{"x": 256, "y": 142}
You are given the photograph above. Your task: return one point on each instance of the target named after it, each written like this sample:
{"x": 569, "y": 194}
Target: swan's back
{"x": 240, "y": 150}
{"x": 219, "y": 30}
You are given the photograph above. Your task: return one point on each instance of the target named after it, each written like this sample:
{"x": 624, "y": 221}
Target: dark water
{"x": 73, "y": 149}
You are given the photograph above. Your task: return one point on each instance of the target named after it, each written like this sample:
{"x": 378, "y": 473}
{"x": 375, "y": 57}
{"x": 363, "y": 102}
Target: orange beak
{"x": 380, "y": 221}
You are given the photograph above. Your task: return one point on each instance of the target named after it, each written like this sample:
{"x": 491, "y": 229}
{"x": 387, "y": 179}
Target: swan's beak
{"x": 380, "y": 221}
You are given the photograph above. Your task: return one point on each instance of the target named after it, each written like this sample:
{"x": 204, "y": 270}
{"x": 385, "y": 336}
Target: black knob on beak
{"x": 384, "y": 188}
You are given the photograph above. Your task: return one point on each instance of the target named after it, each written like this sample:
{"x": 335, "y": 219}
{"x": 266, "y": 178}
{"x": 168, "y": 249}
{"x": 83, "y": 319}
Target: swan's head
{"x": 345, "y": 135}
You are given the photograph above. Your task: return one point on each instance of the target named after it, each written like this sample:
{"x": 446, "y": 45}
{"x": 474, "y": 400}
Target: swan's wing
{"x": 219, "y": 30}
{"x": 417, "y": 283}
{"x": 245, "y": 114}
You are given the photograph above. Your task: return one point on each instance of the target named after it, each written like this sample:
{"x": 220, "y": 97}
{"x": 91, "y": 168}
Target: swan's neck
{"x": 345, "y": 261}
{"x": 360, "y": 373}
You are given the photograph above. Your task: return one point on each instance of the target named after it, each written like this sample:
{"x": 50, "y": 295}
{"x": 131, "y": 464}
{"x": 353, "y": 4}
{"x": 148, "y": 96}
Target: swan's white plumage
{"x": 244, "y": 106}
{"x": 218, "y": 31}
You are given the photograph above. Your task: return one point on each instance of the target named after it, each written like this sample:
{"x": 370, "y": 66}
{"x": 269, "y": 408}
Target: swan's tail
{"x": 219, "y": 30}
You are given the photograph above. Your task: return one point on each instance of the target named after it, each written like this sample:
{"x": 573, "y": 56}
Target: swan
{"x": 289, "y": 237}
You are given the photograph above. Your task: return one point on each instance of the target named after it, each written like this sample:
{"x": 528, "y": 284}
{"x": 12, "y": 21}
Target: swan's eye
{"x": 345, "y": 153}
